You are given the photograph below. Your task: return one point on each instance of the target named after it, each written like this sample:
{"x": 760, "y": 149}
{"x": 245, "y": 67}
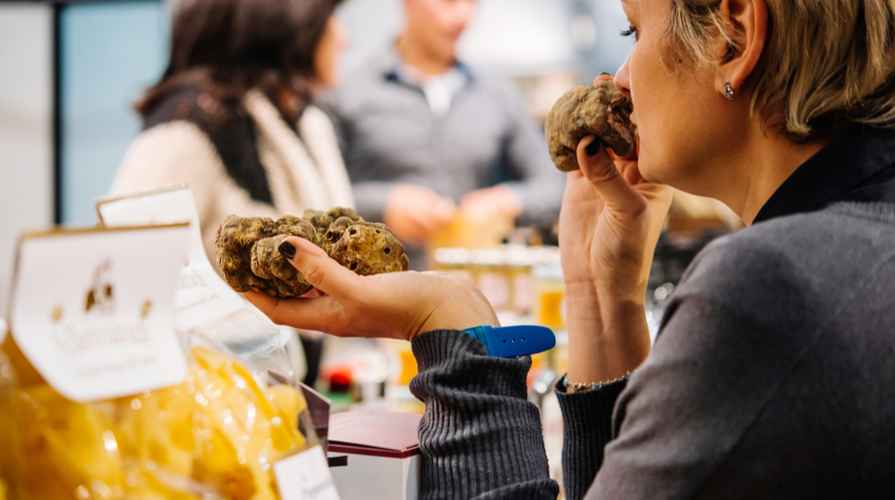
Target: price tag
{"x": 305, "y": 476}
{"x": 202, "y": 296}
{"x": 93, "y": 310}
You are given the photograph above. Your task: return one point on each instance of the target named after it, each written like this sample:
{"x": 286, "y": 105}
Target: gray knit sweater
{"x": 773, "y": 375}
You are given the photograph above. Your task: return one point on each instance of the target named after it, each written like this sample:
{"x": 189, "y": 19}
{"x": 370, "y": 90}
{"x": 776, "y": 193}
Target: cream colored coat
{"x": 302, "y": 174}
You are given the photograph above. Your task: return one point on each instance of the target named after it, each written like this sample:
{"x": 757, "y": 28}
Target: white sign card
{"x": 202, "y": 296}
{"x": 93, "y": 310}
{"x": 305, "y": 476}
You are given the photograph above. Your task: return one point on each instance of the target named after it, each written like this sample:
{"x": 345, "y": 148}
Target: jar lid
{"x": 452, "y": 256}
{"x": 547, "y": 271}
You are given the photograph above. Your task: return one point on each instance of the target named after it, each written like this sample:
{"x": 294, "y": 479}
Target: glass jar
{"x": 549, "y": 291}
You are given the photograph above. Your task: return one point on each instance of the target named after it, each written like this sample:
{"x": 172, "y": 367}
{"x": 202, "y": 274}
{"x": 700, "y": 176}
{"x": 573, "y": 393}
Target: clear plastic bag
{"x": 255, "y": 340}
{"x": 216, "y": 435}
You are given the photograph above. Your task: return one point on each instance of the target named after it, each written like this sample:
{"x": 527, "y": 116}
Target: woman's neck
{"x": 758, "y": 168}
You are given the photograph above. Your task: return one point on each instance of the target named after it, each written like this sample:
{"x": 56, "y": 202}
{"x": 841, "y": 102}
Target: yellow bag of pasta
{"x": 216, "y": 435}
{"x": 8, "y": 458}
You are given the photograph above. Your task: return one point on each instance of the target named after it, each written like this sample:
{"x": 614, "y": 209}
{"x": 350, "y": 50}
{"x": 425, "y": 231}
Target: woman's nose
{"x": 623, "y": 78}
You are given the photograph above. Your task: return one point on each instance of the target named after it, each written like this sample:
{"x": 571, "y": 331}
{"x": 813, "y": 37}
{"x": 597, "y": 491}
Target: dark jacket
{"x": 773, "y": 374}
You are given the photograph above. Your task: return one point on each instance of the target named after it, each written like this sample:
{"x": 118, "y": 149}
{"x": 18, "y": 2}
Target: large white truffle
{"x": 601, "y": 111}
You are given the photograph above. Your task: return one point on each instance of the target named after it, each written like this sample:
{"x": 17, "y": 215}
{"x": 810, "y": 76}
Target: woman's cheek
{"x": 645, "y": 163}
{"x": 649, "y": 154}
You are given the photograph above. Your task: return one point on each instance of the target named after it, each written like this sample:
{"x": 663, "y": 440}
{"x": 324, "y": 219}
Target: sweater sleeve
{"x": 480, "y": 437}
{"x": 586, "y": 429}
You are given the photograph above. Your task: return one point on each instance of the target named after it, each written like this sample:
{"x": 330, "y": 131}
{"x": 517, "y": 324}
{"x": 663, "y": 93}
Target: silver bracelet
{"x": 591, "y": 386}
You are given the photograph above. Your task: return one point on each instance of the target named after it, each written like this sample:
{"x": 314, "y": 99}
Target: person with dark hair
{"x": 234, "y": 116}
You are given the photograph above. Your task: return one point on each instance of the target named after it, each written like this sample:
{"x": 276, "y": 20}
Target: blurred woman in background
{"x": 233, "y": 115}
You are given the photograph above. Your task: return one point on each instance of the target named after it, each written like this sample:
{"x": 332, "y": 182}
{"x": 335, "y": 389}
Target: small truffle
{"x": 236, "y": 236}
{"x": 367, "y": 248}
{"x": 269, "y": 264}
{"x": 249, "y": 256}
{"x": 601, "y": 111}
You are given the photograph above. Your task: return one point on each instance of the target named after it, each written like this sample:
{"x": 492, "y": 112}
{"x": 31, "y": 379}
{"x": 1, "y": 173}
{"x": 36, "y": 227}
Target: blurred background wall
{"x": 80, "y": 67}
{"x": 26, "y": 128}
{"x": 545, "y": 46}
{"x": 70, "y": 72}
{"x": 515, "y": 37}
{"x": 110, "y": 52}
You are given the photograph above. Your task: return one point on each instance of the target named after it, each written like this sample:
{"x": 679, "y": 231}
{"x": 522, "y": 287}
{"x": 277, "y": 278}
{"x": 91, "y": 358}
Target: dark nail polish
{"x": 605, "y": 73}
{"x": 287, "y": 250}
{"x": 592, "y": 148}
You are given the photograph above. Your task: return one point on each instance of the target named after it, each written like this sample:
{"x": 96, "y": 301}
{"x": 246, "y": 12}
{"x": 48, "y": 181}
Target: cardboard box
{"x": 383, "y": 454}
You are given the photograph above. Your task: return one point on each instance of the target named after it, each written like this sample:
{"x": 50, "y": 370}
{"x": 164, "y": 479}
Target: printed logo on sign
{"x": 100, "y": 324}
{"x": 102, "y": 331}
{"x": 100, "y": 296}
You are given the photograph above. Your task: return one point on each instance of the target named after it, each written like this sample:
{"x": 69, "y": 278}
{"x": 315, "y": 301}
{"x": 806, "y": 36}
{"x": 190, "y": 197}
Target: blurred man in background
{"x": 424, "y": 138}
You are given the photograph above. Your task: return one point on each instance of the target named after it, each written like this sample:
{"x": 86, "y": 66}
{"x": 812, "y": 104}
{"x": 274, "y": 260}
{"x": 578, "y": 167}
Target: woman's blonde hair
{"x": 826, "y": 63}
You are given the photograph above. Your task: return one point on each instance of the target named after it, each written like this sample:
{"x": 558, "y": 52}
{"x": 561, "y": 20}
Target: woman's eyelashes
{"x": 632, "y": 30}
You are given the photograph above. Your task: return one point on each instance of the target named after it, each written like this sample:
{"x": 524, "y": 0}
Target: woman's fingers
{"x": 324, "y": 273}
{"x": 618, "y": 195}
{"x": 265, "y": 303}
{"x": 313, "y": 294}
{"x": 603, "y": 77}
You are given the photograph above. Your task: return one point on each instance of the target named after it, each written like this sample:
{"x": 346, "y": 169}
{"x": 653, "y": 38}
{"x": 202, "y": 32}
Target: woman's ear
{"x": 749, "y": 22}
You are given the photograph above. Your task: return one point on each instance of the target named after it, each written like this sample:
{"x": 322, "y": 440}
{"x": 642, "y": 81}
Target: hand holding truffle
{"x": 601, "y": 111}
{"x": 610, "y": 222}
{"x": 248, "y": 252}
{"x": 393, "y": 305}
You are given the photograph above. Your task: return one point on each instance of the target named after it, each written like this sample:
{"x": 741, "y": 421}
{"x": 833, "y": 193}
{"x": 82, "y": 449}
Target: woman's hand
{"x": 608, "y": 229}
{"x": 394, "y": 305}
{"x": 610, "y": 223}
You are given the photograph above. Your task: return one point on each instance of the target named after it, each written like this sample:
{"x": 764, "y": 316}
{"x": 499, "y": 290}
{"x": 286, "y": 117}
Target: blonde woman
{"x": 773, "y": 375}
